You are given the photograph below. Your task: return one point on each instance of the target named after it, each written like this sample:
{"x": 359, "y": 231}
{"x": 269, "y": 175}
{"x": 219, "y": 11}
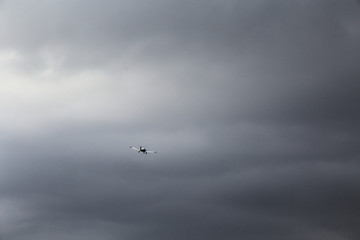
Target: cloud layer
{"x": 252, "y": 106}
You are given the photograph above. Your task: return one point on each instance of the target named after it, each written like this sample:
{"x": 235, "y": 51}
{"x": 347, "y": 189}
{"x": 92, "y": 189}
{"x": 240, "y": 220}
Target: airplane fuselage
{"x": 143, "y": 150}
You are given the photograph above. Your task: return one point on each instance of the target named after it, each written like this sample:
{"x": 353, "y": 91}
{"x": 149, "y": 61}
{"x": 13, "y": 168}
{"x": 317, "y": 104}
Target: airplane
{"x": 141, "y": 149}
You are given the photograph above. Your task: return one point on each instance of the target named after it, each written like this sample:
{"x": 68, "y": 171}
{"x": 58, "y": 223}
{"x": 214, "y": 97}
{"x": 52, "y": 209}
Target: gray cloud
{"x": 251, "y": 105}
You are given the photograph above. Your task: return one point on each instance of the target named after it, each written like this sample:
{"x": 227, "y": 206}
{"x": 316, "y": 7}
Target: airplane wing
{"x": 150, "y": 151}
{"x": 134, "y": 148}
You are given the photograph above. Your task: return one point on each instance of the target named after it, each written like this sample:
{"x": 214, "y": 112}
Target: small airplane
{"x": 141, "y": 149}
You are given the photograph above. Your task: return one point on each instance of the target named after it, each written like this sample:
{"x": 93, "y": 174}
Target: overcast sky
{"x": 252, "y": 105}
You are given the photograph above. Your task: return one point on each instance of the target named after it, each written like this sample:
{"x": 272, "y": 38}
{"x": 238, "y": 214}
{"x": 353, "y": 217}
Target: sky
{"x": 252, "y": 106}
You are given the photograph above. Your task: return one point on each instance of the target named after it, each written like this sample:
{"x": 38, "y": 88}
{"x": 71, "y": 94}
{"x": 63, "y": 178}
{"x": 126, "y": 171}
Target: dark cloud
{"x": 251, "y": 105}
